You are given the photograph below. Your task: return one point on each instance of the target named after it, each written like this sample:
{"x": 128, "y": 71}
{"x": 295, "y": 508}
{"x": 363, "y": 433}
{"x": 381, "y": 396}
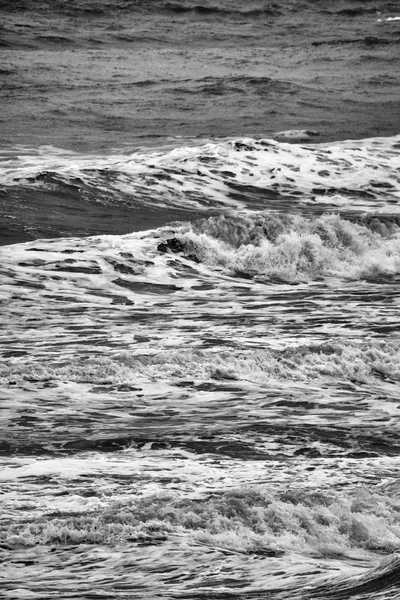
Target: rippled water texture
{"x": 94, "y": 74}
{"x": 209, "y": 408}
{"x": 199, "y": 333}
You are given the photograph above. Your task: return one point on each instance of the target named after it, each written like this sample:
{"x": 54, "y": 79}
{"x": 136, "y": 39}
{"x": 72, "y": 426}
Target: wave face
{"x": 292, "y": 248}
{"x": 184, "y": 182}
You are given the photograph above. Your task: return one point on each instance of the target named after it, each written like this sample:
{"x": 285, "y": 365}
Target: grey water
{"x": 199, "y": 333}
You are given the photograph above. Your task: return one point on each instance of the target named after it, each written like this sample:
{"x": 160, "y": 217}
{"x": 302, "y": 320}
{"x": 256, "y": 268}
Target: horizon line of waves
{"x": 345, "y": 362}
{"x": 249, "y": 520}
{"x": 106, "y": 7}
{"x": 292, "y": 248}
{"x": 214, "y": 86}
{"x": 272, "y": 9}
{"x": 246, "y": 173}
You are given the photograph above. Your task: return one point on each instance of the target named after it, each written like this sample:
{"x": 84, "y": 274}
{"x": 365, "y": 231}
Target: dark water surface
{"x": 93, "y": 75}
{"x": 199, "y": 329}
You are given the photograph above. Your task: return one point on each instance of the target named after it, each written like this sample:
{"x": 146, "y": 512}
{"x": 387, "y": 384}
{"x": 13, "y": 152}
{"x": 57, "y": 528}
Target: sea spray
{"x": 251, "y": 521}
{"x": 292, "y": 248}
{"x": 364, "y": 362}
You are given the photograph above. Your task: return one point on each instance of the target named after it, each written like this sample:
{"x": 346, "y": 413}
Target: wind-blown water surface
{"x": 200, "y": 357}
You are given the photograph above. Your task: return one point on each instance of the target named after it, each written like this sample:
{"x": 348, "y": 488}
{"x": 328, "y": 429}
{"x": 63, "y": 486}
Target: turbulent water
{"x": 200, "y": 268}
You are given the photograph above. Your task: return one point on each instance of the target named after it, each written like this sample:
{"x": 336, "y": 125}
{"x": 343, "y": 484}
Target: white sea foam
{"x": 249, "y": 520}
{"x": 368, "y": 362}
{"x": 293, "y": 248}
{"x": 124, "y": 292}
{"x": 389, "y": 19}
{"x": 219, "y": 174}
{"x": 211, "y": 405}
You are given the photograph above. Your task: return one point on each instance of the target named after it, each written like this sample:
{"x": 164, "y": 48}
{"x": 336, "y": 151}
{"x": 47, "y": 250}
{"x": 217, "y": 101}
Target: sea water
{"x": 200, "y": 357}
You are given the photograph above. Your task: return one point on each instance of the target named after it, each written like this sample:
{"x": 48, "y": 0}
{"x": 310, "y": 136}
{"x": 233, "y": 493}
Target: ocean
{"x": 200, "y": 269}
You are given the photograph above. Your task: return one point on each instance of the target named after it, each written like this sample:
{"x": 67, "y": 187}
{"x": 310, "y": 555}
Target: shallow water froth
{"x": 169, "y": 469}
{"x": 173, "y": 570}
{"x": 299, "y": 279}
{"x": 209, "y": 409}
{"x": 99, "y": 528}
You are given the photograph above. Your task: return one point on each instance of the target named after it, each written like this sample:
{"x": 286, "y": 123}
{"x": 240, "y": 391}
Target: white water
{"x": 219, "y": 416}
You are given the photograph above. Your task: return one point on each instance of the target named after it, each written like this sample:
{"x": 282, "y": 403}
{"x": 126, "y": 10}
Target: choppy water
{"x": 91, "y": 74}
{"x": 200, "y": 356}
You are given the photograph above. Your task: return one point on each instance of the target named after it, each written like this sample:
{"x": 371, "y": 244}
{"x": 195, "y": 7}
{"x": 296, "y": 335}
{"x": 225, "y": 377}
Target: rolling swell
{"x": 234, "y": 42}
{"x": 104, "y": 7}
{"x": 383, "y": 579}
{"x": 218, "y": 86}
{"x": 353, "y": 176}
{"x": 222, "y": 10}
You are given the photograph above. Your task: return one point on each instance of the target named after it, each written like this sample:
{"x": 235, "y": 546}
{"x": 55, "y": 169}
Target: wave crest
{"x": 374, "y": 360}
{"x": 246, "y": 173}
{"x": 252, "y": 521}
{"x": 293, "y": 248}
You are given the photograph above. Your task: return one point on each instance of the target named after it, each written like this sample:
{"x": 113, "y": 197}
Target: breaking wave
{"x": 370, "y": 361}
{"x": 293, "y": 248}
{"x": 245, "y": 173}
{"x": 251, "y": 521}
